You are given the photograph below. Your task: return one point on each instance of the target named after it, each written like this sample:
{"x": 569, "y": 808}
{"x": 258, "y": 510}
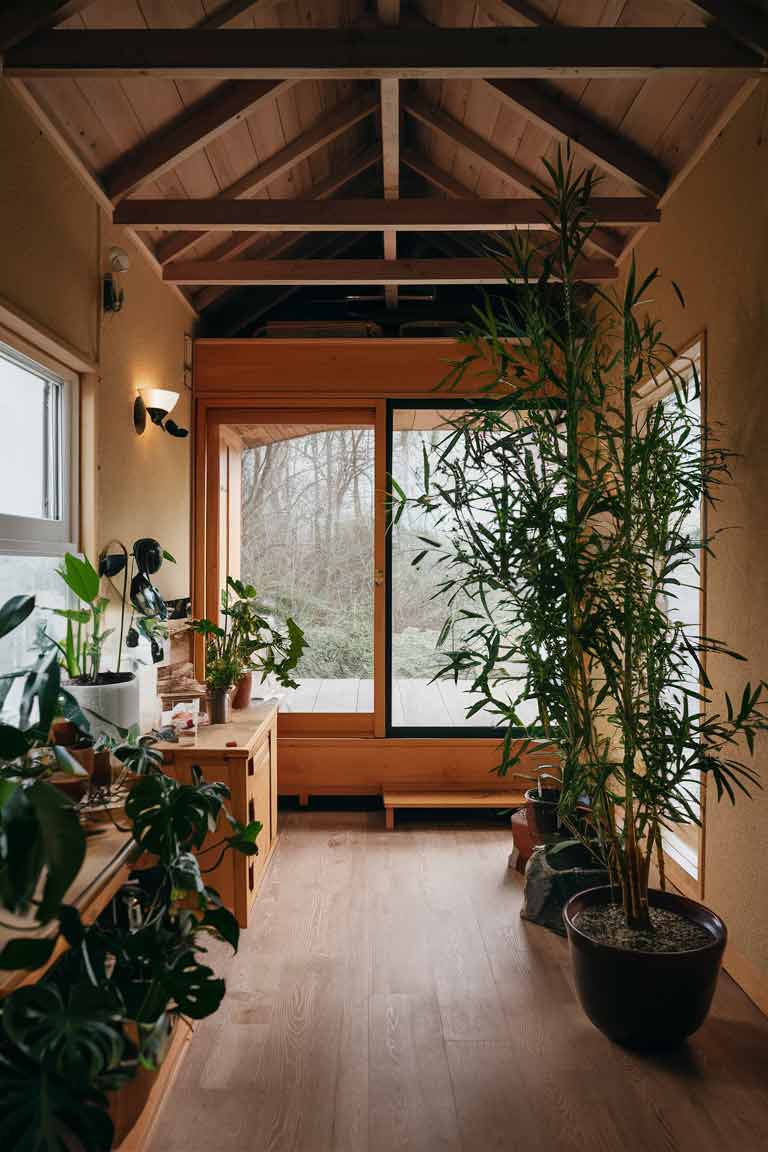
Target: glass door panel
{"x": 418, "y": 703}
{"x": 306, "y": 542}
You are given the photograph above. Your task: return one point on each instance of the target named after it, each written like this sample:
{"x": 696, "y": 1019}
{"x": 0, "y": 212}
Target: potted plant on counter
{"x": 588, "y": 465}
{"x": 111, "y": 698}
{"x": 245, "y": 642}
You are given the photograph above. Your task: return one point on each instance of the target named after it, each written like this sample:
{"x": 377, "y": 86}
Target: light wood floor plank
{"x": 388, "y": 997}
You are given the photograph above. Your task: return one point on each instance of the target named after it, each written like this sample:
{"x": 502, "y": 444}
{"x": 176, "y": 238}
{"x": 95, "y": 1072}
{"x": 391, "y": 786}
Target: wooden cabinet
{"x": 242, "y": 755}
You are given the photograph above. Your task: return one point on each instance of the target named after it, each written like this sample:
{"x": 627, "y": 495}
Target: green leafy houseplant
{"x": 248, "y": 641}
{"x": 105, "y": 1010}
{"x": 564, "y": 502}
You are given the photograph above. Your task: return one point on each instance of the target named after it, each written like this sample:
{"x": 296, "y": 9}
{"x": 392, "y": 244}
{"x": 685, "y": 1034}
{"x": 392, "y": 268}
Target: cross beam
{"x": 368, "y": 215}
{"x": 382, "y": 53}
{"x": 459, "y": 271}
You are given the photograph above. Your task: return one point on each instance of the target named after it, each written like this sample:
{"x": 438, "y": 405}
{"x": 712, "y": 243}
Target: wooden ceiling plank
{"x": 186, "y": 134}
{"x": 368, "y": 214}
{"x": 242, "y": 242}
{"x": 383, "y": 53}
{"x": 27, "y": 17}
{"x": 326, "y": 129}
{"x": 742, "y": 21}
{"x": 440, "y": 121}
{"x": 465, "y": 270}
{"x": 566, "y": 121}
{"x": 230, "y": 10}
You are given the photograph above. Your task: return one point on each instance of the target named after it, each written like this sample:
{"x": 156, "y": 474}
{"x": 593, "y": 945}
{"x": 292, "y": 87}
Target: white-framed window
{"x": 39, "y": 453}
{"x": 39, "y": 492}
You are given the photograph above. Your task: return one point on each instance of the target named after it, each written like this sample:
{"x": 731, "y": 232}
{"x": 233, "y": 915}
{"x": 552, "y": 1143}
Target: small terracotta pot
{"x": 243, "y": 691}
{"x": 219, "y": 705}
{"x": 645, "y": 999}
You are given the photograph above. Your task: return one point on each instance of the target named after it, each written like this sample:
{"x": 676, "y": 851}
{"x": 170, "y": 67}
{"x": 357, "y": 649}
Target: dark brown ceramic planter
{"x": 542, "y": 811}
{"x": 244, "y": 691}
{"x": 645, "y": 999}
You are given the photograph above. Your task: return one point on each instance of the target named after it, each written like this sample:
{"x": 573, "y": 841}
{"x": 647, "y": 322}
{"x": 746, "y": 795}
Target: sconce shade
{"x": 160, "y": 400}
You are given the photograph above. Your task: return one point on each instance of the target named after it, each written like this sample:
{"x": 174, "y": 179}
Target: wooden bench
{"x": 457, "y": 798}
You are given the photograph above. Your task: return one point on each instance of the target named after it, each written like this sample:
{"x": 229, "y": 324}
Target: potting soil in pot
{"x": 672, "y": 932}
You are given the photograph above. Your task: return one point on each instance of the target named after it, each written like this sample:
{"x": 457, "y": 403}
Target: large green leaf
{"x": 63, "y": 844}
{"x": 22, "y": 853}
{"x": 13, "y": 742}
{"x": 14, "y": 612}
{"x": 81, "y": 577}
{"x": 39, "y": 1112}
{"x": 194, "y": 988}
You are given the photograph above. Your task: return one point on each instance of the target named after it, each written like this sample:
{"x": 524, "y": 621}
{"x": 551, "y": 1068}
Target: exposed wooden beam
{"x": 435, "y": 176}
{"x": 368, "y": 215}
{"x": 242, "y": 243}
{"x": 388, "y": 12}
{"x": 186, "y": 134}
{"x": 383, "y": 53}
{"x": 742, "y": 21}
{"x": 438, "y": 120}
{"x": 463, "y": 271}
{"x": 328, "y": 128}
{"x": 26, "y": 17}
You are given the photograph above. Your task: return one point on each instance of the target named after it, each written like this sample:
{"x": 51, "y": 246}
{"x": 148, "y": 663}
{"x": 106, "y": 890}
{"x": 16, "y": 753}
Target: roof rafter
{"x": 328, "y": 128}
{"x": 383, "y": 53}
{"x": 742, "y": 21}
{"x": 243, "y": 243}
{"x": 369, "y": 214}
{"x": 439, "y": 120}
{"x": 187, "y": 133}
{"x": 231, "y": 10}
{"x": 467, "y": 270}
{"x": 27, "y": 17}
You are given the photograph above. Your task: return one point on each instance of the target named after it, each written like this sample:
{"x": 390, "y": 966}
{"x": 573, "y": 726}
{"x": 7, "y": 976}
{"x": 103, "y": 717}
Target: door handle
{"x": 378, "y": 576}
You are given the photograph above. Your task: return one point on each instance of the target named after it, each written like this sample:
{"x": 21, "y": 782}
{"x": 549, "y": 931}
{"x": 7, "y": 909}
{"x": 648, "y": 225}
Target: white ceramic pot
{"x": 109, "y": 706}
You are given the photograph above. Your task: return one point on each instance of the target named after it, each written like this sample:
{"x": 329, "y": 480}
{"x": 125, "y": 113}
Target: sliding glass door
{"x": 418, "y": 611}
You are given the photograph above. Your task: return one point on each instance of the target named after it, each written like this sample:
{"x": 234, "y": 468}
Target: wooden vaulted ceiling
{"x": 261, "y": 147}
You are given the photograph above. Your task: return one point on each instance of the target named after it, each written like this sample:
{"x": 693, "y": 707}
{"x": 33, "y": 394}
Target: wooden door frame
{"x": 333, "y": 375}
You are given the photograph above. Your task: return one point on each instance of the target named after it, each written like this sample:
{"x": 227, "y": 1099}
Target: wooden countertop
{"x": 244, "y": 732}
{"x": 110, "y": 855}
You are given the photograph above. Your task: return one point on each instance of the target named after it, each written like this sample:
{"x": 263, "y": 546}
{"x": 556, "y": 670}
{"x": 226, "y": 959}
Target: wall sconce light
{"x": 113, "y": 296}
{"x": 158, "y": 404}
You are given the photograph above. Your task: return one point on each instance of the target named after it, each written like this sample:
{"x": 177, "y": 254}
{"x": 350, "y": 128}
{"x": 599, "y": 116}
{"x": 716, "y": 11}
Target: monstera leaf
{"x": 39, "y": 1112}
{"x": 40, "y": 829}
{"x": 195, "y": 990}
{"x": 79, "y": 1040}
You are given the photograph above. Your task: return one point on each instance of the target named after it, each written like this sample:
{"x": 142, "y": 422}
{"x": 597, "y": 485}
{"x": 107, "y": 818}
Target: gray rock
{"x": 551, "y": 880}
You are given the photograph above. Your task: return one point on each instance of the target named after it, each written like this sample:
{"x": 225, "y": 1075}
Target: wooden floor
{"x": 389, "y": 997}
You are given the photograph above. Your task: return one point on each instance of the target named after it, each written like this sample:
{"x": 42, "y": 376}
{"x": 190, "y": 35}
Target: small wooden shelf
{"x": 458, "y": 798}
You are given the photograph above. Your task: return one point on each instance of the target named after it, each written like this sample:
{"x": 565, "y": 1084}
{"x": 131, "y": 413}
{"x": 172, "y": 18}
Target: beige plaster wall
{"x": 713, "y": 240}
{"x": 53, "y": 236}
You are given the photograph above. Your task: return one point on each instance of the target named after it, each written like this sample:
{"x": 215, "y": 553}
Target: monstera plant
{"x": 108, "y": 1006}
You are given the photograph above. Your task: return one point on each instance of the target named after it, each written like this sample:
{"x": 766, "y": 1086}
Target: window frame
{"x": 684, "y": 856}
{"x": 31, "y": 535}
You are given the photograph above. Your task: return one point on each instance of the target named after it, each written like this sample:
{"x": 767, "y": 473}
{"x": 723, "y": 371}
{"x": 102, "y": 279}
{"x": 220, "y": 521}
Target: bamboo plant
{"x": 561, "y": 502}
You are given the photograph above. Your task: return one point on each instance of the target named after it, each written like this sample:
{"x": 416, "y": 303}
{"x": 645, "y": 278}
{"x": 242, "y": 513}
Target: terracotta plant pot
{"x": 219, "y": 705}
{"x": 243, "y": 691}
{"x": 541, "y": 810}
{"x": 645, "y": 999}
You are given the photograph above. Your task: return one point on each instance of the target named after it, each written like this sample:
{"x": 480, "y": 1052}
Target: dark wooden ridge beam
{"x": 742, "y": 21}
{"x": 186, "y": 134}
{"x": 243, "y": 242}
{"x": 388, "y": 12}
{"x": 382, "y": 53}
{"x": 367, "y": 215}
{"x": 26, "y": 17}
{"x": 328, "y": 128}
{"x": 440, "y": 121}
{"x": 462, "y": 271}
